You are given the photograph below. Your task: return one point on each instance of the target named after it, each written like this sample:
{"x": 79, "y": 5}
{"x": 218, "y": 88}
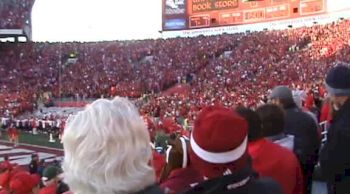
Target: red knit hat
{"x": 219, "y": 142}
{"x": 4, "y": 192}
{"x": 23, "y": 182}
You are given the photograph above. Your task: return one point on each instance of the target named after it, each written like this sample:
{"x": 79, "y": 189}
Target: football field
{"x": 40, "y": 140}
{"x": 30, "y": 144}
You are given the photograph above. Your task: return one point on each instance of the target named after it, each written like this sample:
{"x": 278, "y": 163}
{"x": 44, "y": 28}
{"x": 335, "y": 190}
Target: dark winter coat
{"x": 306, "y": 137}
{"x": 243, "y": 182}
{"x": 335, "y": 155}
{"x": 154, "y": 189}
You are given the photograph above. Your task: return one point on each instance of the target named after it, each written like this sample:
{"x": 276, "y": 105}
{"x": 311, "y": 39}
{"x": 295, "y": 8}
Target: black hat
{"x": 281, "y": 92}
{"x": 338, "y": 81}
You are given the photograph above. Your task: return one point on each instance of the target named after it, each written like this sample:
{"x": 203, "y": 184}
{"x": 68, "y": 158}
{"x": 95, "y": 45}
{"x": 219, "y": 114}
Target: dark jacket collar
{"x": 290, "y": 106}
{"x": 277, "y": 137}
{"x": 344, "y": 110}
{"x": 153, "y": 189}
{"x": 228, "y": 182}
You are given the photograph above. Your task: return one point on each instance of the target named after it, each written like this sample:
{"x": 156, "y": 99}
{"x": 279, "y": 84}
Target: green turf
{"x": 40, "y": 140}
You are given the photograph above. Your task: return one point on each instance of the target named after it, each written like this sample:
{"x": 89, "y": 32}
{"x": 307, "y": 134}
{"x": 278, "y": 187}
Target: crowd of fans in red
{"x": 171, "y": 80}
{"x": 15, "y": 14}
{"x": 227, "y": 68}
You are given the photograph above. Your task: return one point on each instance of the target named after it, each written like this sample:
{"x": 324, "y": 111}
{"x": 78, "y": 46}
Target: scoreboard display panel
{"x": 192, "y": 14}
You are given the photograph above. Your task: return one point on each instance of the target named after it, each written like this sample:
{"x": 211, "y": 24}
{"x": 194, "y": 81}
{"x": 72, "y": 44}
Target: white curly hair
{"x": 107, "y": 149}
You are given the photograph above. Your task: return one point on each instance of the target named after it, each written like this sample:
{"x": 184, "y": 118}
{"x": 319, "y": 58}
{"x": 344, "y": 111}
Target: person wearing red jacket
{"x": 326, "y": 112}
{"x": 13, "y": 135}
{"x": 158, "y": 163}
{"x": 270, "y": 159}
{"x": 309, "y": 101}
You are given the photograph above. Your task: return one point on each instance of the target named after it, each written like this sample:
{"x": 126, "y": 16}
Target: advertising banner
{"x": 193, "y": 14}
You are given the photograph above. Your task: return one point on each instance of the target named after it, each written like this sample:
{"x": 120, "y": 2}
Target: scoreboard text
{"x": 213, "y": 13}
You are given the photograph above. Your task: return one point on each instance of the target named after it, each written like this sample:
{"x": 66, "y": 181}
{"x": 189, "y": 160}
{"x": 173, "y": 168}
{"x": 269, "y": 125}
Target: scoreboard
{"x": 192, "y": 14}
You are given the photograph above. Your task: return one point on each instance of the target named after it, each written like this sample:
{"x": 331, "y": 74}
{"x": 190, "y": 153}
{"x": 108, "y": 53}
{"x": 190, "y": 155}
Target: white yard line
{"x": 35, "y": 146}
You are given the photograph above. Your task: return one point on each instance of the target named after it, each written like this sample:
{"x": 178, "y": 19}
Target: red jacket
{"x": 51, "y": 189}
{"x": 272, "y": 160}
{"x": 181, "y": 179}
{"x": 170, "y": 126}
{"x": 158, "y": 163}
{"x": 12, "y": 132}
{"x": 309, "y": 102}
{"x": 325, "y": 113}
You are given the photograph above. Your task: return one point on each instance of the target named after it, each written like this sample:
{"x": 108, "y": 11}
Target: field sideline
{"x": 21, "y": 154}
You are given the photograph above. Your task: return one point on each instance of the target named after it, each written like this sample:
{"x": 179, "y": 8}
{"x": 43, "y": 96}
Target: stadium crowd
{"x": 15, "y": 14}
{"x": 238, "y": 64}
{"x": 231, "y": 149}
{"x": 217, "y": 123}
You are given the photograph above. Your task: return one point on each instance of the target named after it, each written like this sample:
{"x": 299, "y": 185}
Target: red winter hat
{"x": 219, "y": 142}
{"x": 23, "y": 182}
{"x": 4, "y": 192}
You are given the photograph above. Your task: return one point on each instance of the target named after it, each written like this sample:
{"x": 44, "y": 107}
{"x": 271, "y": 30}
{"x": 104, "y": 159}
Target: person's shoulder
{"x": 299, "y": 113}
{"x": 342, "y": 126}
{"x": 344, "y": 119}
{"x": 288, "y": 155}
{"x": 48, "y": 190}
{"x": 265, "y": 185}
{"x": 153, "y": 189}
{"x": 302, "y": 117}
{"x": 274, "y": 147}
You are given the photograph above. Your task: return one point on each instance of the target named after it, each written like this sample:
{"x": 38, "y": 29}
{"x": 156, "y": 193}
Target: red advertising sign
{"x": 308, "y": 7}
{"x": 214, "y": 13}
{"x": 278, "y": 11}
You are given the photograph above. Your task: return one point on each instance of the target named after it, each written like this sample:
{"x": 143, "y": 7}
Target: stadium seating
{"x": 15, "y": 14}
{"x": 169, "y": 80}
{"x": 236, "y": 68}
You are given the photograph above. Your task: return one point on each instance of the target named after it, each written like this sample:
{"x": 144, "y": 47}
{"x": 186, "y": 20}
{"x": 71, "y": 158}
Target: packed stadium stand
{"x": 172, "y": 82}
{"x": 296, "y": 57}
{"x": 15, "y": 13}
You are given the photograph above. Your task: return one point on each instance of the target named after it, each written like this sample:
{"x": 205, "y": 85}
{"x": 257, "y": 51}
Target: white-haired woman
{"x": 107, "y": 150}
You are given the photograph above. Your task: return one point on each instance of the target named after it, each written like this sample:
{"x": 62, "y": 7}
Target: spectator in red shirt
{"x": 13, "y": 135}
{"x": 158, "y": 163}
{"x": 270, "y": 159}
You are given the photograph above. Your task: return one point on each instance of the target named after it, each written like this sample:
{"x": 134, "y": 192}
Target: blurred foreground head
{"x": 338, "y": 85}
{"x": 107, "y": 149}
